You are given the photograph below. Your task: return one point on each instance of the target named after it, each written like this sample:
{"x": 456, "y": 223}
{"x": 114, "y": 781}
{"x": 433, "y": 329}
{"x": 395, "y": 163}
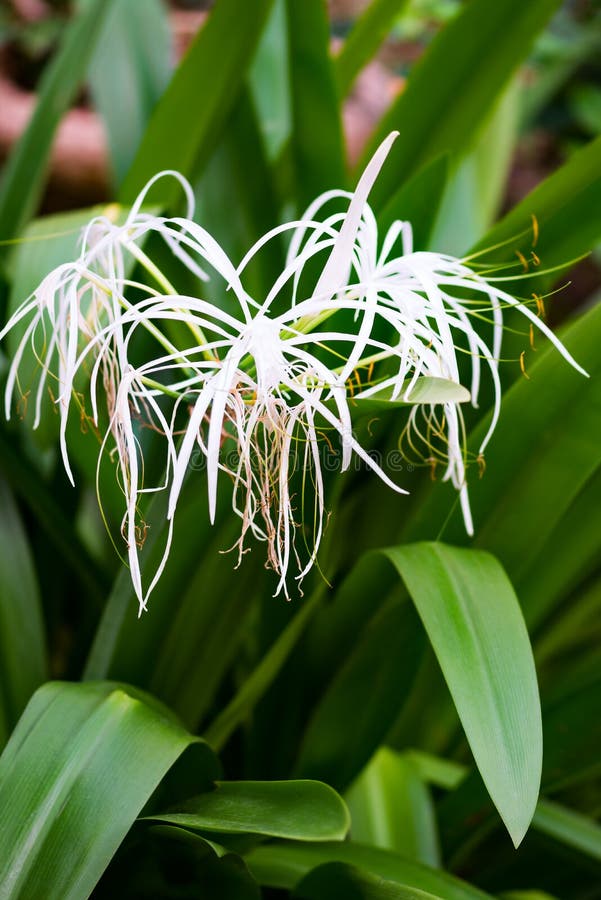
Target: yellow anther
{"x": 535, "y": 258}
{"x": 540, "y": 305}
{"x": 534, "y": 230}
{"x": 532, "y": 337}
{"x": 523, "y": 365}
{"x": 522, "y": 259}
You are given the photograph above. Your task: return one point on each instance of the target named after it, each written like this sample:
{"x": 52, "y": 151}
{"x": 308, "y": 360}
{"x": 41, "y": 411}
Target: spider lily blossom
{"x": 270, "y": 380}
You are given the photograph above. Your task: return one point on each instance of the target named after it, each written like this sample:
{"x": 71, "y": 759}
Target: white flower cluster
{"x": 272, "y": 377}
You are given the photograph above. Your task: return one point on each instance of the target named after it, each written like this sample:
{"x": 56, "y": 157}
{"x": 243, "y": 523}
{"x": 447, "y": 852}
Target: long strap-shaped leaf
{"x": 316, "y": 127}
{"x": 81, "y": 764}
{"x": 475, "y": 625}
{"x": 476, "y": 628}
{"x": 187, "y": 122}
{"x": 23, "y": 177}
{"x": 133, "y": 51}
{"x": 451, "y": 90}
{"x": 368, "y": 32}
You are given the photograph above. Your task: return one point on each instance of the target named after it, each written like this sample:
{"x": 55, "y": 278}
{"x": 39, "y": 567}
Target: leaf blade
{"x": 487, "y": 662}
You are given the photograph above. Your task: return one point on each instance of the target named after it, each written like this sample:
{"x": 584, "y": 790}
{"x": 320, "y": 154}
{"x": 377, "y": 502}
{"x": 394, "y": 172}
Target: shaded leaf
{"x": 391, "y": 807}
{"x": 337, "y": 880}
{"x": 361, "y": 703}
{"x": 22, "y": 641}
{"x": 284, "y": 864}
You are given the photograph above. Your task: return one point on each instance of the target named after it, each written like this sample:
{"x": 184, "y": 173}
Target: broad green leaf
{"x": 81, "y": 764}
{"x": 443, "y": 104}
{"x": 187, "y": 122}
{"x": 368, "y": 32}
{"x": 22, "y": 641}
{"x": 23, "y": 176}
{"x": 476, "y": 628}
{"x": 284, "y": 864}
{"x": 391, "y": 807}
{"x": 317, "y": 147}
{"x": 129, "y": 71}
{"x": 338, "y": 881}
{"x": 298, "y": 810}
{"x": 360, "y": 705}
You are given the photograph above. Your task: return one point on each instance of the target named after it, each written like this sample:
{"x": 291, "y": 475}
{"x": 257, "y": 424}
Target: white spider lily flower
{"x": 265, "y": 390}
{"x": 275, "y": 386}
{"x": 430, "y": 302}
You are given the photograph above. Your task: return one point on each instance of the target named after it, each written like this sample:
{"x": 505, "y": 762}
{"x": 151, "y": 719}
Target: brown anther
{"x": 327, "y": 440}
{"x": 22, "y": 405}
{"x": 481, "y": 465}
{"x": 141, "y": 534}
{"x": 433, "y": 462}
